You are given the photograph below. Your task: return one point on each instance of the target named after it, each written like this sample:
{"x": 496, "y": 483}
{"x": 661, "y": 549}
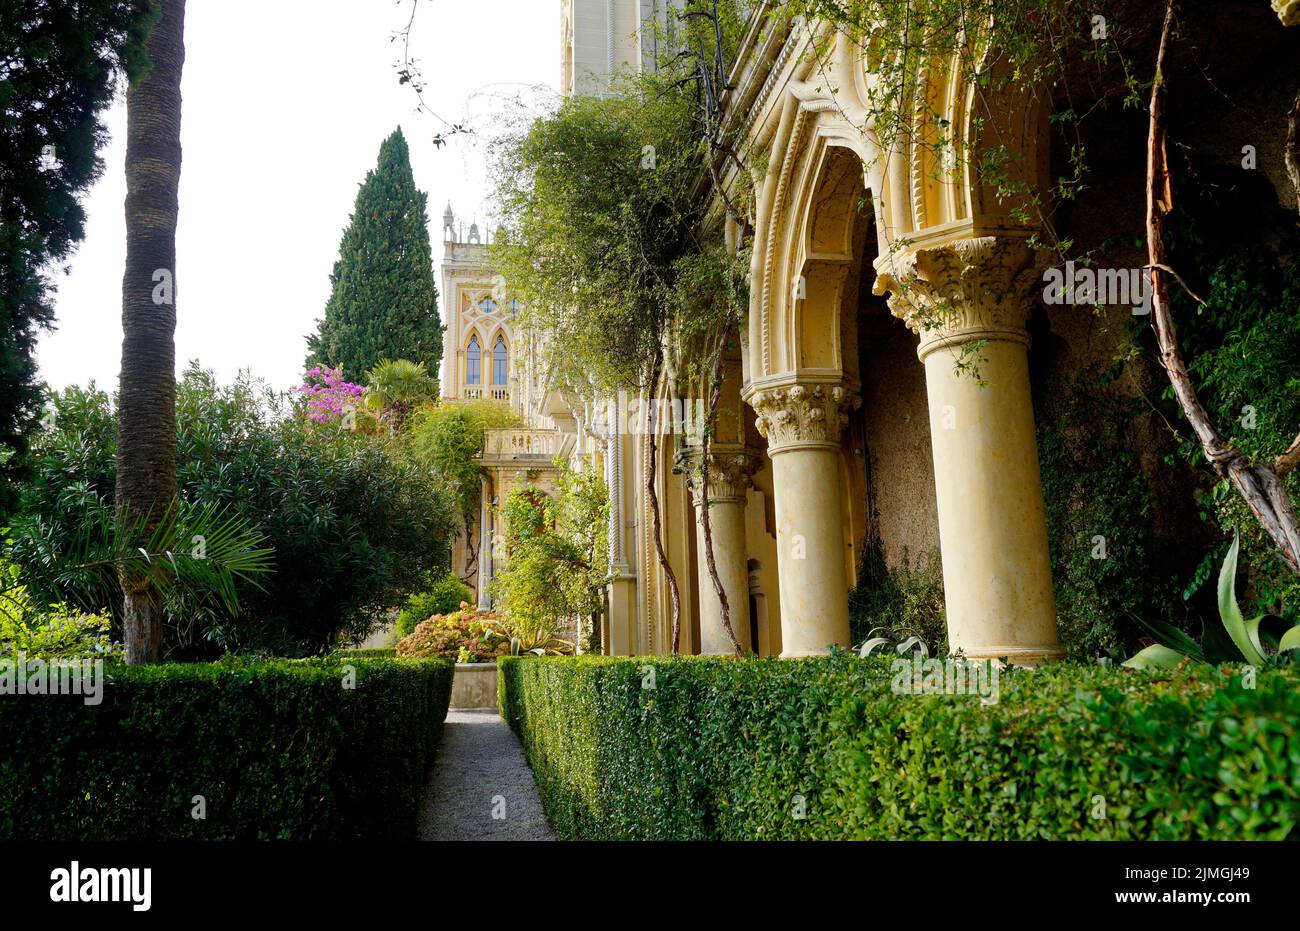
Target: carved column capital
{"x": 1288, "y": 11}
{"x": 802, "y": 415}
{"x": 962, "y": 291}
{"x": 731, "y": 470}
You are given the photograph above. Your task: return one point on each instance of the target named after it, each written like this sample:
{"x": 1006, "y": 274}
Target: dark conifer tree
{"x": 384, "y": 304}
{"x": 59, "y": 66}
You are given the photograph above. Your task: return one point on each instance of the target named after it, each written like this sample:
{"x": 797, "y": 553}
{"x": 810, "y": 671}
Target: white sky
{"x": 285, "y": 103}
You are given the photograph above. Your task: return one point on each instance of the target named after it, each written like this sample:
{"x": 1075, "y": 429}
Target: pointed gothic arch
{"x": 473, "y": 359}
{"x": 500, "y": 360}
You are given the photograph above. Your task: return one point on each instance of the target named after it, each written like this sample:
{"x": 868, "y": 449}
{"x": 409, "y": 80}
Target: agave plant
{"x": 882, "y": 640}
{"x": 543, "y": 645}
{"x": 1257, "y": 641}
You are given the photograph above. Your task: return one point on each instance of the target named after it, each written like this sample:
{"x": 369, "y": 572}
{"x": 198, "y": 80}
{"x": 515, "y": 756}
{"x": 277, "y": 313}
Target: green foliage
{"x": 1094, "y": 487}
{"x": 197, "y": 553}
{"x": 56, "y": 631}
{"x": 384, "y": 304}
{"x": 1242, "y": 345}
{"x": 720, "y": 749}
{"x": 710, "y": 297}
{"x": 394, "y": 389}
{"x": 907, "y": 601}
{"x": 60, "y": 65}
{"x": 442, "y": 597}
{"x": 1238, "y": 641}
{"x": 278, "y": 749}
{"x": 558, "y": 558}
{"x": 368, "y": 653}
{"x": 354, "y": 526}
{"x": 448, "y": 440}
{"x": 599, "y": 207}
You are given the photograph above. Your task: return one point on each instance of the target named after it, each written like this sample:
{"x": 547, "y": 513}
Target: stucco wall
{"x": 895, "y": 421}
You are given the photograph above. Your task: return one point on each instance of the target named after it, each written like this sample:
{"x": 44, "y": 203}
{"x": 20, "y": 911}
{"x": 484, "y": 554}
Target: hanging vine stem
{"x": 471, "y": 552}
{"x": 709, "y": 76}
{"x": 1258, "y": 484}
{"x": 657, "y": 530}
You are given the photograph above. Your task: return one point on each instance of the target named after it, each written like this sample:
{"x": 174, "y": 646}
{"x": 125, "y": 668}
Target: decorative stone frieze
{"x": 799, "y": 415}
{"x": 962, "y": 291}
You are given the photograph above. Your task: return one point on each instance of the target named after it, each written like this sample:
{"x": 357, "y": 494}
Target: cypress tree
{"x": 383, "y": 304}
{"x": 60, "y": 64}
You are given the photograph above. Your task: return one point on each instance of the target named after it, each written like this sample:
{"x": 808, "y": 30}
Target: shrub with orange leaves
{"x": 467, "y": 636}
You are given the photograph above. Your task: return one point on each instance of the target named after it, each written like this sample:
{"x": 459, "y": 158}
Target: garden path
{"x": 481, "y": 787}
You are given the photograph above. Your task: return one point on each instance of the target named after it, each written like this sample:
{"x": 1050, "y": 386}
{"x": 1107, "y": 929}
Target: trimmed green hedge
{"x": 720, "y": 748}
{"x": 279, "y": 749}
{"x": 369, "y": 653}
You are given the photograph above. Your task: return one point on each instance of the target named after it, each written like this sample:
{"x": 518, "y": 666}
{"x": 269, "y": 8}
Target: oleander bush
{"x": 726, "y": 749}
{"x": 354, "y": 524}
{"x": 280, "y": 749}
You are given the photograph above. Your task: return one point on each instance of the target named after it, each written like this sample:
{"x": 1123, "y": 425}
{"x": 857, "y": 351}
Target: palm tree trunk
{"x": 146, "y": 439}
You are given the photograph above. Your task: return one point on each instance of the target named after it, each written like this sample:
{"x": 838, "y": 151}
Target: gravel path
{"x": 479, "y": 773}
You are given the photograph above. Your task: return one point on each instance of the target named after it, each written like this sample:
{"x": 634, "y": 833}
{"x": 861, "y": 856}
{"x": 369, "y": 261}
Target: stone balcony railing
{"x": 521, "y": 443}
{"x": 478, "y": 392}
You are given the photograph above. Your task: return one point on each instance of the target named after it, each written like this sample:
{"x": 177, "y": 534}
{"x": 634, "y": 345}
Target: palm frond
{"x": 204, "y": 548}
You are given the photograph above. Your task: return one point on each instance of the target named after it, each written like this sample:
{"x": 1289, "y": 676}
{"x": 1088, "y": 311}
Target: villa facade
{"x": 849, "y": 419}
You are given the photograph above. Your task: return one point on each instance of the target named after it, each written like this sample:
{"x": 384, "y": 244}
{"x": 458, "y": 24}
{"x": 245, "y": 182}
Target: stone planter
{"x": 475, "y": 686}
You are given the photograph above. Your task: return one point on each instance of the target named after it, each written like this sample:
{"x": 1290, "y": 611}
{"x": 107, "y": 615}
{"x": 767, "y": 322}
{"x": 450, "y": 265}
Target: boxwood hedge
{"x": 278, "y": 749}
{"x": 706, "y": 748}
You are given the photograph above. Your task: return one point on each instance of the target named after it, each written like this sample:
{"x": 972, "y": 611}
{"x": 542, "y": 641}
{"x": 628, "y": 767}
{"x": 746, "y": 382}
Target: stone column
{"x": 484, "y": 546}
{"x": 802, "y": 422}
{"x": 621, "y": 603}
{"x": 730, "y": 469}
{"x": 968, "y": 300}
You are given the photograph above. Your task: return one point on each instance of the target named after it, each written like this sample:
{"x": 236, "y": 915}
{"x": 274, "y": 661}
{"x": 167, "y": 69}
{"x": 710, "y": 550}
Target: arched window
{"x": 473, "y": 359}
{"x": 499, "y": 361}
{"x": 487, "y": 305}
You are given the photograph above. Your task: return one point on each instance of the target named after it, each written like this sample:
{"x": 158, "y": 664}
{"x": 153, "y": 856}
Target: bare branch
{"x": 1258, "y": 484}
{"x": 1289, "y": 461}
{"x": 1293, "y": 149}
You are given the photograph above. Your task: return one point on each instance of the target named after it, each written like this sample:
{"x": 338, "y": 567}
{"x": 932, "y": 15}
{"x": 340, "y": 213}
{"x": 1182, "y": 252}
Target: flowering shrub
{"x": 468, "y": 635}
{"x": 328, "y": 396}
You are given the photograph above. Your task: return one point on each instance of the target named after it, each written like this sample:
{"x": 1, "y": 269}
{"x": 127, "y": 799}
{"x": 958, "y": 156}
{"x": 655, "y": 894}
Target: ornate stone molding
{"x": 731, "y": 470}
{"x": 1288, "y": 11}
{"x": 802, "y": 415}
{"x": 962, "y": 291}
